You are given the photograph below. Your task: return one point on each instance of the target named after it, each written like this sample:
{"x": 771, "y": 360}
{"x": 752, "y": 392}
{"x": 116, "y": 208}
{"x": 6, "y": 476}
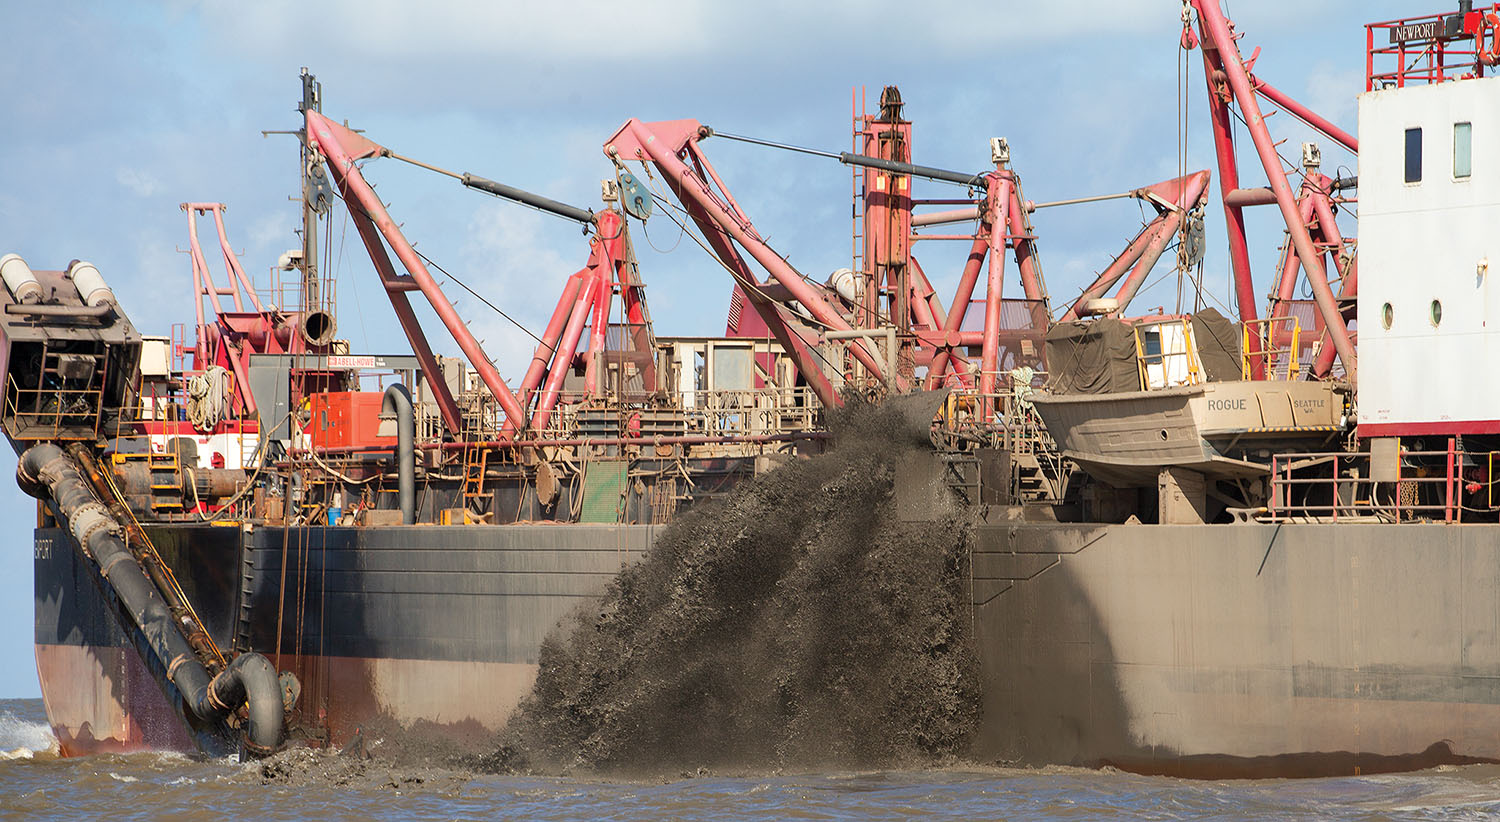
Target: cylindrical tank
{"x": 90, "y": 283}
{"x": 843, "y": 283}
{"x": 19, "y": 279}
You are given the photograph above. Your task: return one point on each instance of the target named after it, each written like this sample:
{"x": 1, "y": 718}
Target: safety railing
{"x": 1330, "y": 486}
{"x": 1280, "y": 346}
{"x": 1434, "y": 48}
{"x": 63, "y": 399}
{"x": 714, "y": 413}
{"x": 1000, "y": 420}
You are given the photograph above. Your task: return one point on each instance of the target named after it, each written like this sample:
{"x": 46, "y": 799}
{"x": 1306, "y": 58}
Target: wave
{"x": 24, "y": 739}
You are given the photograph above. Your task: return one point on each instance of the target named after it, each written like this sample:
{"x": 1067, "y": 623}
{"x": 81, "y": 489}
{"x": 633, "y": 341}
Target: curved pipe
{"x": 46, "y": 470}
{"x": 82, "y": 311}
{"x": 397, "y": 400}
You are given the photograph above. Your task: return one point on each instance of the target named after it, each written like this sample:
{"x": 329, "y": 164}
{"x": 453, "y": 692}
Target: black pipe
{"x": 524, "y": 197}
{"x": 45, "y": 469}
{"x": 849, "y": 158}
{"x": 397, "y": 400}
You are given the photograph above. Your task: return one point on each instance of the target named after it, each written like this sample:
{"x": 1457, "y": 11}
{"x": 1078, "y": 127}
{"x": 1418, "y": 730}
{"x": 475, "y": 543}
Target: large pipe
{"x": 75, "y": 311}
{"x": 397, "y": 400}
{"x": 250, "y": 680}
{"x": 676, "y": 439}
{"x": 567, "y": 347}
{"x": 1234, "y": 215}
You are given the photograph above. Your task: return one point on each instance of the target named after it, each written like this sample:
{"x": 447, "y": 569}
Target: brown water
{"x": 36, "y": 785}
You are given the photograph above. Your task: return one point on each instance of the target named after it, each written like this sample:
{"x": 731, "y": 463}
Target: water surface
{"x": 35, "y": 784}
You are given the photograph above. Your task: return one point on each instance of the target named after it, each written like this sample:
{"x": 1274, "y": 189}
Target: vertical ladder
{"x": 857, "y": 188}
{"x": 476, "y": 462}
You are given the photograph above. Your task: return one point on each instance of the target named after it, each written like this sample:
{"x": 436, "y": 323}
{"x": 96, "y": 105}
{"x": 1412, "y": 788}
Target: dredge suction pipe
{"x": 250, "y": 680}
{"x": 397, "y": 401}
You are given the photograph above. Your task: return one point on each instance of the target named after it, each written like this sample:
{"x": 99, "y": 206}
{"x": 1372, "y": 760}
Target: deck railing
{"x": 1344, "y": 475}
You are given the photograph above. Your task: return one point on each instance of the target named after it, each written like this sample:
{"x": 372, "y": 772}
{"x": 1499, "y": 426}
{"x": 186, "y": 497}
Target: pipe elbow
{"x": 250, "y": 680}
{"x": 31, "y": 465}
{"x": 397, "y": 402}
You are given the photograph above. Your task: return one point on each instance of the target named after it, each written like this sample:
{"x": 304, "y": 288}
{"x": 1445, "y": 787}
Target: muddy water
{"x": 36, "y": 785}
{"x": 797, "y": 624}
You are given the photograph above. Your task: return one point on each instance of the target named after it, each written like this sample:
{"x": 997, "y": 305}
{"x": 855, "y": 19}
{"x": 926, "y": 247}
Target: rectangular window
{"x": 1414, "y": 155}
{"x": 1463, "y": 150}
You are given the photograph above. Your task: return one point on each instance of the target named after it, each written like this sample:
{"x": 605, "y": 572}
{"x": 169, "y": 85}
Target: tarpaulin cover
{"x": 1091, "y": 357}
{"x": 1218, "y": 339}
{"x": 1098, "y": 356}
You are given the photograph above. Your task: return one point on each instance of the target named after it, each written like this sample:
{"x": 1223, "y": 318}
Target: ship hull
{"x": 428, "y": 627}
{"x": 1216, "y": 651}
{"x": 1240, "y": 650}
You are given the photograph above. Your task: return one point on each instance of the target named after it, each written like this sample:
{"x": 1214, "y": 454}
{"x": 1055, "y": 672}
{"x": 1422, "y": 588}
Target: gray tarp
{"x": 1091, "y": 357}
{"x": 1218, "y": 339}
{"x": 1098, "y": 356}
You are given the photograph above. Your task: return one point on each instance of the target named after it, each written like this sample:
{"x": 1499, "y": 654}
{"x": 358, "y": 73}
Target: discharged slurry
{"x": 797, "y": 623}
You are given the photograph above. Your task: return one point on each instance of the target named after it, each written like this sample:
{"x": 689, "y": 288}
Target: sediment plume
{"x": 797, "y": 623}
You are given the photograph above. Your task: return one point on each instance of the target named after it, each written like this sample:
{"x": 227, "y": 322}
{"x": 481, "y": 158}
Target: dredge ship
{"x": 1210, "y": 546}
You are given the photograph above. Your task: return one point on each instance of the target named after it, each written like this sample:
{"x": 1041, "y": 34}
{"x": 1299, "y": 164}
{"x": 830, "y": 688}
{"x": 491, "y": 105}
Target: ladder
{"x": 166, "y": 481}
{"x": 857, "y": 208}
{"x": 476, "y": 462}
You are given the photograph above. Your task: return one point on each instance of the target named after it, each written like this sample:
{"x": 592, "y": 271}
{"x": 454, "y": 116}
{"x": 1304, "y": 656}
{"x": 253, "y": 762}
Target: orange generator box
{"x": 347, "y": 419}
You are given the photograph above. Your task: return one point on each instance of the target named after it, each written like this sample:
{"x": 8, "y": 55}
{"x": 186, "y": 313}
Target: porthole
{"x": 1437, "y": 313}
{"x": 1386, "y": 315}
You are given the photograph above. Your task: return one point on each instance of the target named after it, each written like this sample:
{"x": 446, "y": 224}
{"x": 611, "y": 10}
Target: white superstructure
{"x": 1429, "y": 237}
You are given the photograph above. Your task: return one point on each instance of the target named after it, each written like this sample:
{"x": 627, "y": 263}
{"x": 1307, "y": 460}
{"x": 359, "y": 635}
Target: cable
{"x": 495, "y": 308}
{"x": 750, "y": 286}
{"x": 448, "y": 274}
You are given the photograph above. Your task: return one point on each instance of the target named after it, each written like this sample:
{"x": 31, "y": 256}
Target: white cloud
{"x": 139, "y": 181}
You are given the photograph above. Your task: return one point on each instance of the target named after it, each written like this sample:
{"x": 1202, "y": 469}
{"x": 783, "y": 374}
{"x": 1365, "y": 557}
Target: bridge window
{"x": 1414, "y": 155}
{"x": 1463, "y": 150}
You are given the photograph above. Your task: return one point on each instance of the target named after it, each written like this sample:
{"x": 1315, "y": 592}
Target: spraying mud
{"x": 796, "y": 624}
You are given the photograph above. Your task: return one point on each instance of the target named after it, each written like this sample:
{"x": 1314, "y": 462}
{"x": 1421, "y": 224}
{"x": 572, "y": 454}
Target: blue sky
{"x": 116, "y": 113}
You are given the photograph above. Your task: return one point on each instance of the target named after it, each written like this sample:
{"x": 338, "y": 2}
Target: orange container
{"x": 347, "y": 419}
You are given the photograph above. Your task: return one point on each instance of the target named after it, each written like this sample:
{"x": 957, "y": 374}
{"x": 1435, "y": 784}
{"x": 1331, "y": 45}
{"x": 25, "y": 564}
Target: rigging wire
{"x": 449, "y": 275}
{"x": 735, "y": 275}
{"x": 671, "y": 206}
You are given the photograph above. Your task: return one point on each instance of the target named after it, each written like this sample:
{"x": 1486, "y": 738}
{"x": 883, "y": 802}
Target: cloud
{"x": 142, "y": 183}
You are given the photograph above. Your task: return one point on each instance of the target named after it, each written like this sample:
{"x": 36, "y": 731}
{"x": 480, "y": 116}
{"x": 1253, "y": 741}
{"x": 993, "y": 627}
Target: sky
{"x": 115, "y": 113}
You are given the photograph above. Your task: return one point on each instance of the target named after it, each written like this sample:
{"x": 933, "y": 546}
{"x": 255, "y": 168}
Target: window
{"x": 1386, "y": 316}
{"x": 1437, "y": 313}
{"x": 1414, "y": 155}
{"x": 1463, "y": 150}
